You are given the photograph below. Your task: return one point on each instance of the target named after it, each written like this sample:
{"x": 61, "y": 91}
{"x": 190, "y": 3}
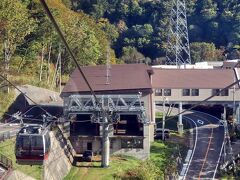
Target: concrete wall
{"x": 80, "y": 144}
{"x": 58, "y": 165}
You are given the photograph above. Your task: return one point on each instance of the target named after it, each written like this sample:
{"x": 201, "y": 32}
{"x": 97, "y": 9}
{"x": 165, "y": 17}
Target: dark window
{"x": 158, "y": 92}
{"x": 37, "y": 143}
{"x": 129, "y": 125}
{"x": 132, "y": 143}
{"x": 24, "y": 142}
{"x": 167, "y": 92}
{"x": 216, "y": 92}
{"x": 224, "y": 92}
{"x": 186, "y": 92}
{"x": 89, "y": 146}
{"x": 111, "y": 144}
{"x": 195, "y": 92}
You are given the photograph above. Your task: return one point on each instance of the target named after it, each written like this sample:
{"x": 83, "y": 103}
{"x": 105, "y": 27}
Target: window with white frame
{"x": 167, "y": 92}
{"x": 195, "y": 92}
{"x": 158, "y": 92}
{"x": 225, "y": 92}
{"x": 186, "y": 92}
{"x": 216, "y": 92}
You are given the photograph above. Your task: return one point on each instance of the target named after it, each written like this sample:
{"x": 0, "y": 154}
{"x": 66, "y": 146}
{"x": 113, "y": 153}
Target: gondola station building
{"x": 131, "y": 93}
{"x": 128, "y": 94}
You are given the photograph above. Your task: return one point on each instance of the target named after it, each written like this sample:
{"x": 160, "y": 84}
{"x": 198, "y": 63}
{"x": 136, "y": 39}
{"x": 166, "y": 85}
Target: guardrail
{"x": 8, "y": 135}
{"x": 7, "y": 164}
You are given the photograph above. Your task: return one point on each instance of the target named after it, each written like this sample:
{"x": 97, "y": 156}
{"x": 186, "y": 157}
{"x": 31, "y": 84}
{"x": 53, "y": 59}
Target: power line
{"x": 24, "y": 94}
{"x": 105, "y": 116}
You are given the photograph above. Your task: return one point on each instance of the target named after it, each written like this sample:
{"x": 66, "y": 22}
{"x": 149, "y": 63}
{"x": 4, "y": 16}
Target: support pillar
{"x": 224, "y": 112}
{"x": 238, "y": 113}
{"x": 105, "y": 145}
{"x": 180, "y": 124}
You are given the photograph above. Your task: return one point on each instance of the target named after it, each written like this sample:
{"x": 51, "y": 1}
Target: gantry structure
{"x": 178, "y": 51}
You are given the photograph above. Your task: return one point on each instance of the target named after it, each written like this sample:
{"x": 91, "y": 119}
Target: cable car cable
{"x": 24, "y": 94}
{"x": 52, "y": 19}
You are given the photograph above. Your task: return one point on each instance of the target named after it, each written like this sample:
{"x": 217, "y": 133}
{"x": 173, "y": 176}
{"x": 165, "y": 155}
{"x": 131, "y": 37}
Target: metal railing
{"x": 6, "y": 162}
{"x": 8, "y": 135}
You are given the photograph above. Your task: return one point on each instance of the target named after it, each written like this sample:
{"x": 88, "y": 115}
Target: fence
{"x": 8, "y": 135}
{"x": 7, "y": 164}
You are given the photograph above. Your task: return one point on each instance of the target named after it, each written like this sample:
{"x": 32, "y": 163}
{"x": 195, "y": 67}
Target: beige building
{"x": 129, "y": 135}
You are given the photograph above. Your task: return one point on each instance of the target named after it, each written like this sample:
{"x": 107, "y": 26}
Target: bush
{"x": 146, "y": 171}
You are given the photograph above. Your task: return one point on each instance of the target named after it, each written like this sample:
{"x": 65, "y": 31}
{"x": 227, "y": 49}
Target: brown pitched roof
{"x": 123, "y": 77}
{"x": 192, "y": 78}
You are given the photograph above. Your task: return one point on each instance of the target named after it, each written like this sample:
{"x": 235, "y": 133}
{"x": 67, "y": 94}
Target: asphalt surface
{"x": 208, "y": 136}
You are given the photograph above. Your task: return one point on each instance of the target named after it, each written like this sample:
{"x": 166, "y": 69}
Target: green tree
{"x": 15, "y": 24}
{"x": 201, "y": 51}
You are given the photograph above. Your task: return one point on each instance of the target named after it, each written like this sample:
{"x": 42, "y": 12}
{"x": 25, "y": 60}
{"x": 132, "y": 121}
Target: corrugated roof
{"x": 192, "y": 78}
{"x": 123, "y": 77}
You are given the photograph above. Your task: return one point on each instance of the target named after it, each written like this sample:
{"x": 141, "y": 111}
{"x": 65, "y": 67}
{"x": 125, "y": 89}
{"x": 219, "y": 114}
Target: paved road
{"x": 206, "y": 152}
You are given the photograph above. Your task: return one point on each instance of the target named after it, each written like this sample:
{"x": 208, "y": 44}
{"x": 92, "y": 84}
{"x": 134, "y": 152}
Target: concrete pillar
{"x": 238, "y": 113}
{"x": 224, "y": 112}
{"x": 106, "y": 146}
{"x": 180, "y": 124}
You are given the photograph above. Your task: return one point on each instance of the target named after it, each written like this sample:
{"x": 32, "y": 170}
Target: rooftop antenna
{"x": 108, "y": 70}
{"x": 178, "y": 51}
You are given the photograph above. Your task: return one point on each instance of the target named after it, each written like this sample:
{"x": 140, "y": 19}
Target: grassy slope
{"x": 7, "y": 149}
{"x": 161, "y": 155}
{"x": 118, "y": 164}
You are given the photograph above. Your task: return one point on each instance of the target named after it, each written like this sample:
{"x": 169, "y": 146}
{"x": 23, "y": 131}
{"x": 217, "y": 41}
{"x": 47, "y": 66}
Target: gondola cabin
{"x": 32, "y": 145}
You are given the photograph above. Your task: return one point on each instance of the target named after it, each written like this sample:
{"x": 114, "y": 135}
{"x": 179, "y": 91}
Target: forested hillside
{"x": 214, "y": 26}
{"x": 136, "y": 30}
{"x": 30, "y": 47}
{"x": 28, "y": 33}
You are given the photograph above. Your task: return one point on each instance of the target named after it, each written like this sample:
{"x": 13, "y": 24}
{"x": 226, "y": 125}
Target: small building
{"x": 191, "y": 86}
{"x": 129, "y": 135}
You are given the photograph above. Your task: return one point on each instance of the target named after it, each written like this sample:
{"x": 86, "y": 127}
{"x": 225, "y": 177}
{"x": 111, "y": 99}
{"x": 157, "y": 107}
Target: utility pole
{"x": 60, "y": 70}
{"x": 108, "y": 72}
{"x": 163, "y": 120}
{"x": 49, "y": 58}
{"x": 164, "y": 117}
{"x": 178, "y": 51}
{"x": 41, "y": 65}
{"x": 227, "y": 141}
{"x": 7, "y": 56}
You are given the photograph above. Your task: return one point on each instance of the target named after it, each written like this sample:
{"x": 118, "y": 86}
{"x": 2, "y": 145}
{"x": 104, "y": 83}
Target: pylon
{"x": 178, "y": 51}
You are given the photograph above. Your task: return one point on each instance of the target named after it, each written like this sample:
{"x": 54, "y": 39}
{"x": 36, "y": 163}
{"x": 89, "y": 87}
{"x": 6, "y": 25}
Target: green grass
{"x": 164, "y": 155}
{"x": 118, "y": 165}
{"x": 159, "y": 115}
{"x": 162, "y": 160}
{"x": 7, "y": 149}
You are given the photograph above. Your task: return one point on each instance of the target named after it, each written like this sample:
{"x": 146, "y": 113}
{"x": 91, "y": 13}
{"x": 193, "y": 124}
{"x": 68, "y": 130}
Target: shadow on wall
{"x": 20, "y": 104}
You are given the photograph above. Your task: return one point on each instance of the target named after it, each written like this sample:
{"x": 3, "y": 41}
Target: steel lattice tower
{"x": 178, "y": 51}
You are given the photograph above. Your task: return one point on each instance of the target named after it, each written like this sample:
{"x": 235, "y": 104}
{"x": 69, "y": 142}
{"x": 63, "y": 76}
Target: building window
{"x": 216, "y": 92}
{"x": 158, "y": 92}
{"x": 224, "y": 92}
{"x": 167, "y": 92}
{"x": 186, "y": 92}
{"x": 89, "y": 146}
{"x": 132, "y": 143}
{"x": 195, "y": 92}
